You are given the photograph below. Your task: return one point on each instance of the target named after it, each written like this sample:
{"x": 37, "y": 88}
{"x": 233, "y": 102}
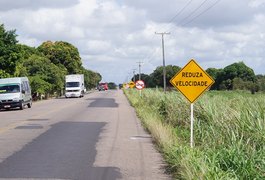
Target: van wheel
{"x": 21, "y": 106}
{"x": 30, "y": 105}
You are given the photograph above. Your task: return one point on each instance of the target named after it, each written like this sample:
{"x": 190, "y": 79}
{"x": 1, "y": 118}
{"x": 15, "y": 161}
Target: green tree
{"x": 39, "y": 86}
{"x": 91, "y": 78}
{"x": 42, "y": 71}
{"x": 225, "y": 77}
{"x": 239, "y": 70}
{"x": 3, "y": 74}
{"x": 238, "y": 84}
{"x": 112, "y": 85}
{"x": 25, "y": 52}
{"x": 157, "y": 75}
{"x": 215, "y": 73}
{"x": 46, "y": 66}
{"x": 252, "y": 86}
{"x": 62, "y": 54}
{"x": 146, "y": 78}
{"x": 170, "y": 72}
{"x": 9, "y": 51}
{"x": 260, "y": 82}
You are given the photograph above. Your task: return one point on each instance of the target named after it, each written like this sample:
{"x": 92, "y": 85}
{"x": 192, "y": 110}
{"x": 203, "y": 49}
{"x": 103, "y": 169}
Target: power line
{"x": 171, "y": 20}
{"x": 207, "y": 9}
{"x": 182, "y": 21}
{"x": 194, "y": 11}
{"x": 178, "y": 13}
{"x": 152, "y": 55}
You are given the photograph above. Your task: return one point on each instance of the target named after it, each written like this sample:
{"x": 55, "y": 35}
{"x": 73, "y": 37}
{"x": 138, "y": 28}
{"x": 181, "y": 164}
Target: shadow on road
{"x": 66, "y": 151}
{"x": 103, "y": 103}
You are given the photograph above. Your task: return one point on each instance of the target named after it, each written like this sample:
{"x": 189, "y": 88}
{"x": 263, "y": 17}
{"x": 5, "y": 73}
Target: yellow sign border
{"x": 192, "y": 60}
{"x": 131, "y": 84}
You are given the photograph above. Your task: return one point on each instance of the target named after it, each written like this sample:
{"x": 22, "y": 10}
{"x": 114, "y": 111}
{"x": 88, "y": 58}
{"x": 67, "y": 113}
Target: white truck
{"x": 15, "y": 92}
{"x": 74, "y": 85}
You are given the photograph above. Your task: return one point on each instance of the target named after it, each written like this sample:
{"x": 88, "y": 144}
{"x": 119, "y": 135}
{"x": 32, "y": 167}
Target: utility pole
{"x": 163, "y": 53}
{"x": 140, "y": 64}
{"x": 134, "y": 75}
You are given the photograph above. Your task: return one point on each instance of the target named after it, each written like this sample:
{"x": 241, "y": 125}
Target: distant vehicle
{"x": 74, "y": 85}
{"x": 15, "y": 92}
{"x": 103, "y": 86}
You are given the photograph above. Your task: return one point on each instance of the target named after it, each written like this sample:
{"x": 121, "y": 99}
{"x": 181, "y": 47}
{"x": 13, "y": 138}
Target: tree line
{"x": 236, "y": 76}
{"x": 46, "y": 65}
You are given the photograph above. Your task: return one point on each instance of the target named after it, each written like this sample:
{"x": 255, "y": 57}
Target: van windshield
{"x": 9, "y": 88}
{"x": 72, "y": 84}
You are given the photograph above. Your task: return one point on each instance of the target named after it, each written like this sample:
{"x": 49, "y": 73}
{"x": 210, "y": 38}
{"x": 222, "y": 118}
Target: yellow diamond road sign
{"x": 192, "y": 81}
{"x": 131, "y": 84}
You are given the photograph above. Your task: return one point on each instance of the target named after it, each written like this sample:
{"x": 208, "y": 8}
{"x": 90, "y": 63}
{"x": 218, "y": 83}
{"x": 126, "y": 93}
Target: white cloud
{"x": 96, "y": 47}
{"x": 7, "y": 5}
{"x": 257, "y": 3}
{"x": 112, "y": 35}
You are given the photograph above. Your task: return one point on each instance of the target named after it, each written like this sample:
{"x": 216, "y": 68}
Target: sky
{"x": 113, "y": 36}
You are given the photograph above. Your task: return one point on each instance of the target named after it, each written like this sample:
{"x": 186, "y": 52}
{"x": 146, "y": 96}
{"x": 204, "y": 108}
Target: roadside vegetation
{"x": 46, "y": 65}
{"x": 229, "y": 132}
{"x": 236, "y": 76}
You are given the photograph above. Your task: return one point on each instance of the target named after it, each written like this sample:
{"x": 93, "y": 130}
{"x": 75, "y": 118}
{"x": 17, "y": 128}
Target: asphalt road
{"x": 97, "y": 137}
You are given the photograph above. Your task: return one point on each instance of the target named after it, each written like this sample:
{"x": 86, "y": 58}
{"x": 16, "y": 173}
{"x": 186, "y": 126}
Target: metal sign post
{"x": 191, "y": 126}
{"x": 140, "y": 85}
{"x": 192, "y": 81}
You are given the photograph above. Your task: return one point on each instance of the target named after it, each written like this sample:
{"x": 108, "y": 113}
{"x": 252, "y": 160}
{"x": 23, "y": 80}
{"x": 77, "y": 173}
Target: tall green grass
{"x": 229, "y": 133}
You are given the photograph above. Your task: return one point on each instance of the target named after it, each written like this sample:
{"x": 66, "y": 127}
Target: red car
{"x": 103, "y": 86}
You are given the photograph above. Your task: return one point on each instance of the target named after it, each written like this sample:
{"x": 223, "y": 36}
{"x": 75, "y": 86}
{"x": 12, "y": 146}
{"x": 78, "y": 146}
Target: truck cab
{"x": 74, "y": 85}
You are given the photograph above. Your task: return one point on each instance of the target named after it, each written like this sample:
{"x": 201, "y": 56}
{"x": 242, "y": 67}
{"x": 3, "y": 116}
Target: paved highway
{"x": 97, "y": 137}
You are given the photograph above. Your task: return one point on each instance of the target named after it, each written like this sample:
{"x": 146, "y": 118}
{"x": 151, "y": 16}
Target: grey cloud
{"x": 223, "y": 13}
{"x": 121, "y": 32}
{"x": 6, "y": 5}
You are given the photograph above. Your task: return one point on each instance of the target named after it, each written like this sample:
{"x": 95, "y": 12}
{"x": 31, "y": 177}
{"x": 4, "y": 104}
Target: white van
{"x": 15, "y": 92}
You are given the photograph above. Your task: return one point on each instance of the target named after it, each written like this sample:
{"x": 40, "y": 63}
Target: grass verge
{"x": 229, "y": 133}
